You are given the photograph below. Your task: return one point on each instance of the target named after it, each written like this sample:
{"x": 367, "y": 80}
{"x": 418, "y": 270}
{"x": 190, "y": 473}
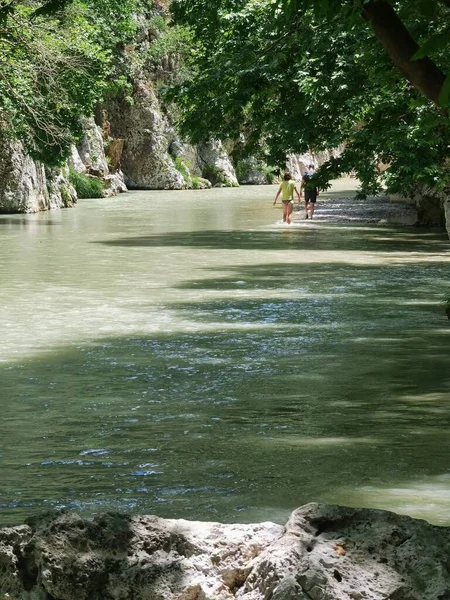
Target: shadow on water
{"x": 293, "y": 239}
{"x": 271, "y": 404}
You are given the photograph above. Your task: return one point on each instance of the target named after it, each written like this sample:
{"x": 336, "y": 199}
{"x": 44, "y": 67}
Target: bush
{"x": 85, "y": 186}
{"x": 246, "y": 165}
{"x": 66, "y": 197}
{"x": 183, "y": 169}
{"x": 199, "y": 183}
{"x": 216, "y": 175}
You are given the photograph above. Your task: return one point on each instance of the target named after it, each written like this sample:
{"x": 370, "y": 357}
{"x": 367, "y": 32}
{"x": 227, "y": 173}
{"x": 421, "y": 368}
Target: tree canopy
{"x": 55, "y": 64}
{"x": 285, "y": 76}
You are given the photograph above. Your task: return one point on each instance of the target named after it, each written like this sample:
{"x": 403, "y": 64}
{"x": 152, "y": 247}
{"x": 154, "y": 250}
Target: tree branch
{"x": 390, "y": 31}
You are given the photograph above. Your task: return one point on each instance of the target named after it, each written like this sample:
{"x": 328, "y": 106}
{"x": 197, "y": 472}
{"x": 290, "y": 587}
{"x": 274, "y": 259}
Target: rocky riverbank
{"x": 322, "y": 553}
{"x": 377, "y": 209}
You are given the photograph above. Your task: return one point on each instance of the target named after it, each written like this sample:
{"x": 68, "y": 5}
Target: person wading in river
{"x": 287, "y": 189}
{"x": 311, "y": 191}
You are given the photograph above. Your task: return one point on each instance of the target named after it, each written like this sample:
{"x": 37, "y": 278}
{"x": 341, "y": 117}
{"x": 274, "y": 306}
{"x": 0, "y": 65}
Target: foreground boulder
{"x": 323, "y": 553}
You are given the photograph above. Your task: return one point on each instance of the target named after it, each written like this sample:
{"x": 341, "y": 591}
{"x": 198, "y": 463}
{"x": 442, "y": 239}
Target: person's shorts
{"x": 310, "y": 196}
{"x": 286, "y": 201}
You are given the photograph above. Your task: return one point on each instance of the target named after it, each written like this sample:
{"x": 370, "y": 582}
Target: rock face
{"x": 430, "y": 208}
{"x": 215, "y": 164}
{"x": 323, "y": 553}
{"x": 61, "y": 193}
{"x": 147, "y": 138}
{"x": 91, "y": 151}
{"x": 89, "y": 158}
{"x": 26, "y": 187}
{"x": 298, "y": 163}
{"x": 252, "y": 172}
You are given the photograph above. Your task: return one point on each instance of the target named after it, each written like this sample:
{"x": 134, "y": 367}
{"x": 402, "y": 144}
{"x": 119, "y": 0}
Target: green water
{"x": 179, "y": 353}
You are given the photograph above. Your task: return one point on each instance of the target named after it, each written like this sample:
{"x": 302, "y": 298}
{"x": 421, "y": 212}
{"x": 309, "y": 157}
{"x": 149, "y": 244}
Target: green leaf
{"x": 444, "y": 94}
{"x": 432, "y": 45}
{"x": 427, "y": 9}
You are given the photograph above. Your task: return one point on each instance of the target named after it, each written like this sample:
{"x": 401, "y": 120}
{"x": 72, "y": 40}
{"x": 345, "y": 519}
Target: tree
{"x": 276, "y": 79}
{"x": 55, "y": 61}
{"x": 389, "y": 22}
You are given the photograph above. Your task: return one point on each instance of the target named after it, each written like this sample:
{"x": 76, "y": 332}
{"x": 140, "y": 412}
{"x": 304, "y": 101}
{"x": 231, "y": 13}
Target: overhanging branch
{"x": 390, "y": 31}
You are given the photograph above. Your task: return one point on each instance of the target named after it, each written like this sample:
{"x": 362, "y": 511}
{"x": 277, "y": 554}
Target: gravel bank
{"x": 371, "y": 210}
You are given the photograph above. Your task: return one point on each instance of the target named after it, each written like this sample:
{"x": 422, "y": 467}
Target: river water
{"x": 179, "y": 353}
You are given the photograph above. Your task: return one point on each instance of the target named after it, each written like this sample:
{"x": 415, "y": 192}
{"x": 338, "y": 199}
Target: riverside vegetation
{"x": 270, "y": 78}
{"x": 300, "y": 74}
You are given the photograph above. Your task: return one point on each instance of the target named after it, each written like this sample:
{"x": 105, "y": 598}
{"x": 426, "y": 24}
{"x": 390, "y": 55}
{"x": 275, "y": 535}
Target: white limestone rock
{"x": 114, "y": 184}
{"x": 188, "y": 154}
{"x": 216, "y": 165}
{"x": 145, "y": 161}
{"x": 60, "y": 191}
{"x": 22, "y": 181}
{"x": 25, "y": 187}
{"x": 75, "y": 161}
{"x": 297, "y": 164}
{"x": 91, "y": 151}
{"x": 323, "y": 553}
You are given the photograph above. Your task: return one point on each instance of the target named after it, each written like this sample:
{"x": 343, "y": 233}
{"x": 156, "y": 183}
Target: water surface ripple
{"x": 179, "y": 353}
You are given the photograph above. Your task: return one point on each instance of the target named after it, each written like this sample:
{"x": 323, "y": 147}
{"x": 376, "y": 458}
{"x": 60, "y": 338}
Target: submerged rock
{"x": 323, "y": 553}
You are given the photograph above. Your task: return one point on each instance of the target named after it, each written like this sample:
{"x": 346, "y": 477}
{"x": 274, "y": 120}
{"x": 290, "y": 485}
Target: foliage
{"x": 85, "y": 186}
{"x": 183, "y": 168}
{"x": 197, "y": 183}
{"x": 244, "y": 165}
{"x": 168, "y": 40}
{"x": 288, "y": 79}
{"x": 216, "y": 176}
{"x": 55, "y": 63}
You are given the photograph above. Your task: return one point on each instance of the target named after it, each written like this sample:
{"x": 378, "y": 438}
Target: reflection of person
{"x": 287, "y": 189}
{"x": 311, "y": 191}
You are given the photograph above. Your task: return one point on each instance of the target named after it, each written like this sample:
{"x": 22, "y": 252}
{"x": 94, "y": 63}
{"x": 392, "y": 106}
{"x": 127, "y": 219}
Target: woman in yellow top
{"x": 287, "y": 189}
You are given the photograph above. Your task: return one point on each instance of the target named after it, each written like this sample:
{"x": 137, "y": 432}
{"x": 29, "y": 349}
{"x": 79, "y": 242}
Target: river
{"x": 179, "y": 353}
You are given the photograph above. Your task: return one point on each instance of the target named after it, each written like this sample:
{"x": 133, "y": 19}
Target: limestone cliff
{"x": 89, "y": 158}
{"x": 154, "y": 156}
{"x": 26, "y": 186}
{"x": 147, "y": 136}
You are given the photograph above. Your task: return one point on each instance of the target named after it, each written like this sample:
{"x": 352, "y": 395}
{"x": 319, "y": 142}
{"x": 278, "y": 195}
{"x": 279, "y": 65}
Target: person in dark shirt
{"x": 311, "y": 191}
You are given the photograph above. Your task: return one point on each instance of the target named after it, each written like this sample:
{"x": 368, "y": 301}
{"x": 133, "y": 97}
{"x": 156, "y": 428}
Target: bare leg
{"x": 313, "y": 206}
{"x": 306, "y": 209}
{"x": 285, "y": 209}
{"x": 289, "y": 206}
